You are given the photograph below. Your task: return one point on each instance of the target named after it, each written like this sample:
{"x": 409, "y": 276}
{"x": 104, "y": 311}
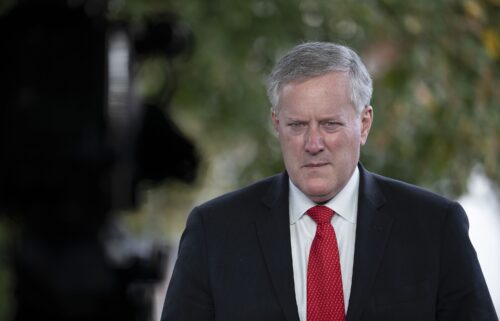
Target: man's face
{"x": 320, "y": 133}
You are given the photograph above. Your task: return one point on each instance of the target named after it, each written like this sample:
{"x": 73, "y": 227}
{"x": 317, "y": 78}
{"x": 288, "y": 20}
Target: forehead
{"x": 330, "y": 89}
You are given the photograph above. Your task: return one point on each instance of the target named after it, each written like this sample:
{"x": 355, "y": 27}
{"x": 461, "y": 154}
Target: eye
{"x": 331, "y": 124}
{"x": 297, "y": 125}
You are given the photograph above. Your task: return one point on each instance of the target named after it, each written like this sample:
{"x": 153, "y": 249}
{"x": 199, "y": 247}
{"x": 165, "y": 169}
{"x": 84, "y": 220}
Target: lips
{"x": 314, "y": 165}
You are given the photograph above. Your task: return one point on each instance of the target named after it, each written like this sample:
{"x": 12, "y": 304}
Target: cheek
{"x": 344, "y": 146}
{"x": 291, "y": 147}
{"x": 336, "y": 142}
{"x": 289, "y": 141}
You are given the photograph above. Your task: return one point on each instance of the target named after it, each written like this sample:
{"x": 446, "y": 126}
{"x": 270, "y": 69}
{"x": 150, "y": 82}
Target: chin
{"x": 320, "y": 199}
{"x": 319, "y": 193}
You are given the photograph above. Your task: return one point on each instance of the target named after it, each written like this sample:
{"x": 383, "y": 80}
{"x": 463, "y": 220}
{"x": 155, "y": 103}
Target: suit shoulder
{"x": 396, "y": 189}
{"x": 415, "y": 204}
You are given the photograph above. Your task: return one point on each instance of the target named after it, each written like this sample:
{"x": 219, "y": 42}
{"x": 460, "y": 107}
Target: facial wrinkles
{"x": 319, "y": 131}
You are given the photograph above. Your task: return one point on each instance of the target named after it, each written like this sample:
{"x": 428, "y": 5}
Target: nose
{"x": 314, "y": 141}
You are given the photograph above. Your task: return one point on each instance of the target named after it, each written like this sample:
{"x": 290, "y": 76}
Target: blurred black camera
{"x": 75, "y": 141}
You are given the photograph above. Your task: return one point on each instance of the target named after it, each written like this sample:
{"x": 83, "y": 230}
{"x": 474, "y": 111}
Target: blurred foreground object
{"x": 75, "y": 140}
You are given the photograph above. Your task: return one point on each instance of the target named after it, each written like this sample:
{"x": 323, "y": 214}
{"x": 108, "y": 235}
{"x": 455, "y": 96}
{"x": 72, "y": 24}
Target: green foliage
{"x": 435, "y": 66}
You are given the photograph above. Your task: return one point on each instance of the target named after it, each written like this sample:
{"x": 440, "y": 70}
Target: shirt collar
{"x": 345, "y": 203}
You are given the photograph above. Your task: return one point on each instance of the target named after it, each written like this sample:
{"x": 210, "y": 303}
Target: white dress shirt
{"x": 303, "y": 229}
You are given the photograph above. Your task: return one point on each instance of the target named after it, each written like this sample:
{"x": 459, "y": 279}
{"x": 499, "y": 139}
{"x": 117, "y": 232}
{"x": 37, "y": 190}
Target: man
{"x": 268, "y": 252}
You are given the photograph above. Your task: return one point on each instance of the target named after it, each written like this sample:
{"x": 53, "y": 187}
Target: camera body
{"x": 75, "y": 140}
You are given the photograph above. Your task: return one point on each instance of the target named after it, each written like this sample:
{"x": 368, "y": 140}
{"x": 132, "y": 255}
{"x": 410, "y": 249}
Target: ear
{"x": 276, "y": 121}
{"x": 366, "y": 123}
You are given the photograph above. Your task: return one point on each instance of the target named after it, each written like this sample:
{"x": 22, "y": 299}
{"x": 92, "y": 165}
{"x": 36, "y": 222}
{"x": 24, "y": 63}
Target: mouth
{"x": 315, "y": 165}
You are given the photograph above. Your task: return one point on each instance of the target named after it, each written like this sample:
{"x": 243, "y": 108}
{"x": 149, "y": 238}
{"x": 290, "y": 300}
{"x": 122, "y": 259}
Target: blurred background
{"x": 436, "y": 71}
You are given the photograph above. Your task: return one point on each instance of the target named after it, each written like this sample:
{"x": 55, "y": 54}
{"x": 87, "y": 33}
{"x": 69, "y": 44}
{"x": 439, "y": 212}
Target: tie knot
{"x": 320, "y": 214}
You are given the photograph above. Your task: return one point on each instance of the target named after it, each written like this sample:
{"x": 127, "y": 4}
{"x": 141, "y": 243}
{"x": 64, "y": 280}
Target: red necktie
{"x": 325, "y": 295}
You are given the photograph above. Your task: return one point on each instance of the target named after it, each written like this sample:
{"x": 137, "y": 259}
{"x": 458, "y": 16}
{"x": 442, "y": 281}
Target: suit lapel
{"x": 372, "y": 232}
{"x": 273, "y": 231}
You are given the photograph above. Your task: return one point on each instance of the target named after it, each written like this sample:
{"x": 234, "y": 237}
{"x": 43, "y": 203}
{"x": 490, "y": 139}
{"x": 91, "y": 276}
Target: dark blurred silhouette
{"x": 75, "y": 140}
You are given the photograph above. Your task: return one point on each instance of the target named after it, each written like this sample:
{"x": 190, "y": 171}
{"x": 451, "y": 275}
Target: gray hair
{"x": 314, "y": 59}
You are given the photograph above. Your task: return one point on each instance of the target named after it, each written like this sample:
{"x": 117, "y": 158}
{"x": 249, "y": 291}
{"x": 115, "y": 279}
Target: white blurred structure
{"x": 483, "y": 210}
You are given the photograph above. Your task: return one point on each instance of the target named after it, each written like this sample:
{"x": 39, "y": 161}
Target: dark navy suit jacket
{"x": 413, "y": 259}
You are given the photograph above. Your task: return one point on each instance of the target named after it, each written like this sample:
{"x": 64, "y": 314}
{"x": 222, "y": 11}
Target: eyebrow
{"x": 322, "y": 118}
